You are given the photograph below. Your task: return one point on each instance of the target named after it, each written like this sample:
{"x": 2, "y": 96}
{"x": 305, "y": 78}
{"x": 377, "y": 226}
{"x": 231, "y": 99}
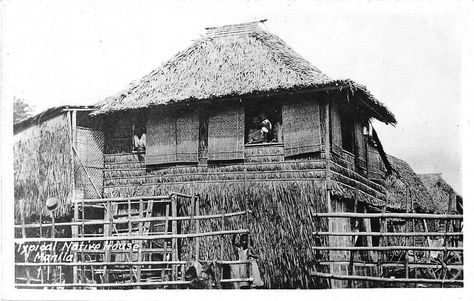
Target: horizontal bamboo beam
{"x": 381, "y": 279}
{"x": 381, "y": 234}
{"x": 395, "y": 265}
{"x": 145, "y": 219}
{"x": 388, "y": 248}
{"x": 116, "y": 238}
{"x": 163, "y": 283}
{"x": 122, "y": 199}
{"x": 122, "y": 263}
{"x": 389, "y": 215}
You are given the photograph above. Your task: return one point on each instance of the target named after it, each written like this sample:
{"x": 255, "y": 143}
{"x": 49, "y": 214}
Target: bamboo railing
{"x": 100, "y": 261}
{"x": 448, "y": 265}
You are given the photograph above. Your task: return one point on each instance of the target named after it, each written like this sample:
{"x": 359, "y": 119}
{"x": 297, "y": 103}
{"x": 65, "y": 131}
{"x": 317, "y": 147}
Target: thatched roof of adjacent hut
{"x": 229, "y": 61}
{"x": 44, "y": 116}
{"x": 440, "y": 191}
{"x": 405, "y": 184}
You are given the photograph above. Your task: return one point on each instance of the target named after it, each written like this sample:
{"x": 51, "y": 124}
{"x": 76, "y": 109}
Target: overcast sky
{"x": 409, "y": 57}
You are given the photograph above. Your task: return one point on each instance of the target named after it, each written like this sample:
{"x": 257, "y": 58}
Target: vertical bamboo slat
{"x": 174, "y": 240}
{"x": 140, "y": 233}
{"x": 198, "y": 230}
{"x": 165, "y": 243}
{"x": 75, "y": 231}
{"x": 23, "y": 234}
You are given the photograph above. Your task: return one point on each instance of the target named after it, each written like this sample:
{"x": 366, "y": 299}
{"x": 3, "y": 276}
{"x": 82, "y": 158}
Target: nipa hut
{"x": 245, "y": 122}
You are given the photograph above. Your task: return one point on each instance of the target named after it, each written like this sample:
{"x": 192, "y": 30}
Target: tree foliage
{"x": 21, "y": 109}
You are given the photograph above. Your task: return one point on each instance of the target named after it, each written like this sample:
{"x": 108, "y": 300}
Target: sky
{"x": 409, "y": 56}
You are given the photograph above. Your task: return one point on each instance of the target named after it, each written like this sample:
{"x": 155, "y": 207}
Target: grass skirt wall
{"x": 280, "y": 223}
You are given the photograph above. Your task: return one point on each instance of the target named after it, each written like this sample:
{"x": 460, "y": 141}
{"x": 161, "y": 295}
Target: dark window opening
{"x": 139, "y": 132}
{"x": 347, "y": 131}
{"x": 263, "y": 123}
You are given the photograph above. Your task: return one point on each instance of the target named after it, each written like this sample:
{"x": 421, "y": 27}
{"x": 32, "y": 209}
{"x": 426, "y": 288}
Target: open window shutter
{"x": 336, "y": 135}
{"x": 161, "y": 137}
{"x": 361, "y": 145}
{"x": 301, "y": 128}
{"x": 187, "y": 136}
{"x": 374, "y": 171}
{"x": 226, "y": 134}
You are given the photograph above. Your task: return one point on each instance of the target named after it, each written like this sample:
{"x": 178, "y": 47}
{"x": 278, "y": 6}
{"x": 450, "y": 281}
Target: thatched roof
{"x": 234, "y": 60}
{"x": 45, "y": 116}
{"x": 403, "y": 181}
{"x": 440, "y": 191}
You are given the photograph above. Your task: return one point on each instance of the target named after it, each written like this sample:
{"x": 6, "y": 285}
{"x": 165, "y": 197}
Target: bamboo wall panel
{"x": 226, "y": 134}
{"x": 187, "y": 136}
{"x": 161, "y": 137}
{"x": 302, "y": 128}
{"x": 90, "y": 150}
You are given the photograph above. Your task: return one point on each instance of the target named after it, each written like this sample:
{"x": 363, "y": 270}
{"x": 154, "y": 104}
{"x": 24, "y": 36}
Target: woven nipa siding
{"x": 187, "y": 136}
{"x": 301, "y": 128}
{"x": 90, "y": 162}
{"x": 336, "y": 134}
{"x": 373, "y": 163}
{"x": 361, "y": 145}
{"x": 161, "y": 137}
{"x": 226, "y": 134}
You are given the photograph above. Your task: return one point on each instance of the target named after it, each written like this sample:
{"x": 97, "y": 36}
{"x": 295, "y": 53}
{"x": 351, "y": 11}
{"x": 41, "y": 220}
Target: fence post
{"x": 140, "y": 233}
{"x": 23, "y": 234}
{"x": 198, "y": 230}
{"x": 75, "y": 230}
{"x": 174, "y": 240}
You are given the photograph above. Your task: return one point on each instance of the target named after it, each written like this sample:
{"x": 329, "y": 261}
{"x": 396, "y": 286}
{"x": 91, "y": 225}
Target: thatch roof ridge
{"x": 404, "y": 179}
{"x": 231, "y": 63}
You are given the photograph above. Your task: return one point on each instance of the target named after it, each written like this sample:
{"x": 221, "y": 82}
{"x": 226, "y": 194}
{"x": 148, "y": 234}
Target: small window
{"x": 347, "y": 131}
{"x": 263, "y": 123}
{"x": 139, "y": 132}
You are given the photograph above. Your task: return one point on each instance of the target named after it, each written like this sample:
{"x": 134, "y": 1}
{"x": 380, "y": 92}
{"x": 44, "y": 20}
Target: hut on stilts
{"x": 252, "y": 134}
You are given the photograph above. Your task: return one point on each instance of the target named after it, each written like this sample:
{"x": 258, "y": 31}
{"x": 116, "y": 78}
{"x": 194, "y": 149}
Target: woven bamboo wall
{"x": 226, "y": 133}
{"x": 302, "y": 128}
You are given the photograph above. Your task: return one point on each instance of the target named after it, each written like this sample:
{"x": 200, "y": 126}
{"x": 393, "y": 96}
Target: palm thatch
{"x": 42, "y": 167}
{"x": 440, "y": 191}
{"x": 403, "y": 186}
{"x": 233, "y": 60}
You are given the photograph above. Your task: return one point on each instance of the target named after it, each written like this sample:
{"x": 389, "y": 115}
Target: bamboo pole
{"x": 141, "y": 263}
{"x": 389, "y": 248}
{"x": 23, "y": 234}
{"x": 93, "y": 285}
{"x": 165, "y": 243}
{"x": 388, "y": 234}
{"x": 174, "y": 231}
{"x": 108, "y": 254}
{"x": 129, "y": 211}
{"x": 145, "y": 237}
{"x": 74, "y": 232}
{"x": 389, "y": 215}
{"x": 407, "y": 271}
{"x": 145, "y": 219}
{"x": 198, "y": 230}
{"x": 381, "y": 279}
{"x": 140, "y": 233}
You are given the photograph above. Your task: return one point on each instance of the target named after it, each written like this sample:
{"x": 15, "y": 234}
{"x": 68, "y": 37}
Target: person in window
{"x": 266, "y": 127}
{"x": 255, "y": 132}
{"x": 139, "y": 140}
